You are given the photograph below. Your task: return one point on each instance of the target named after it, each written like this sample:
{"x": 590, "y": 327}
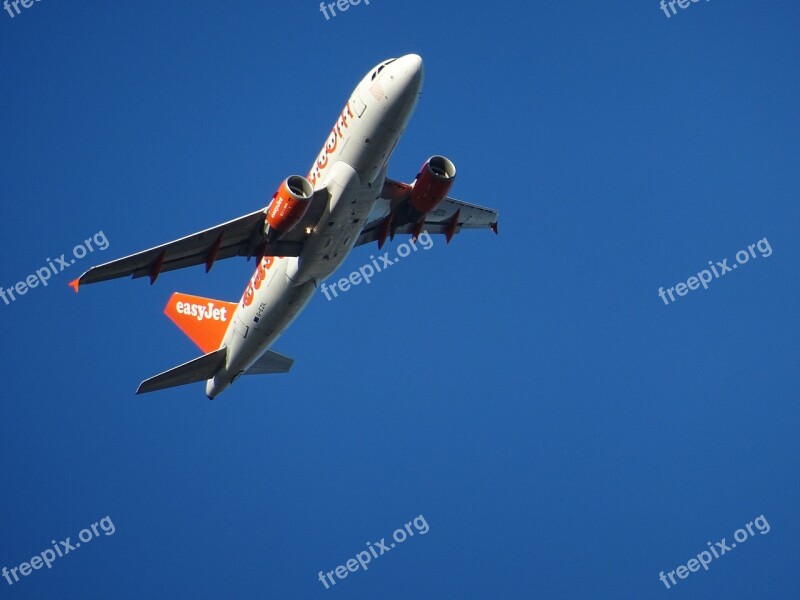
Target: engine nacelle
{"x": 288, "y": 206}
{"x": 432, "y": 184}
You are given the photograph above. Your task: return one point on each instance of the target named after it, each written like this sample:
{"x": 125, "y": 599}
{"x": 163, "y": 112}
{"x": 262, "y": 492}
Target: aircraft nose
{"x": 405, "y": 76}
{"x": 412, "y": 66}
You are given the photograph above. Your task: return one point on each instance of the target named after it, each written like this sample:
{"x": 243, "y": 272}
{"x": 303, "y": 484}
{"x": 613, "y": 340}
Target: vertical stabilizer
{"x": 203, "y": 320}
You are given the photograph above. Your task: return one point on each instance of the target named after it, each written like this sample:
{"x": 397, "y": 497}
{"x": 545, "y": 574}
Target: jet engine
{"x": 432, "y": 184}
{"x": 288, "y": 206}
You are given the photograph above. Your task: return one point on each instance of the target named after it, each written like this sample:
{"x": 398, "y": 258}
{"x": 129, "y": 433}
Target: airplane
{"x": 308, "y": 229}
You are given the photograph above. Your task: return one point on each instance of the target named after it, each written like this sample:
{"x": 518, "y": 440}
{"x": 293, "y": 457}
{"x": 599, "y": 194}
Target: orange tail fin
{"x": 203, "y": 320}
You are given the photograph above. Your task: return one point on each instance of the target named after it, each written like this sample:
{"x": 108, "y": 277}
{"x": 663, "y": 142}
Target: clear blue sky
{"x": 564, "y": 433}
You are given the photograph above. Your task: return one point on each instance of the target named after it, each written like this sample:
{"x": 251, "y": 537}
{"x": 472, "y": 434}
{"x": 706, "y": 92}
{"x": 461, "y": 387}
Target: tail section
{"x": 199, "y": 369}
{"x": 203, "y": 320}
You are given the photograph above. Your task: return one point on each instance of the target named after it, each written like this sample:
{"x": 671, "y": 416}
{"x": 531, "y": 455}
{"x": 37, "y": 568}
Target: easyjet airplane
{"x": 306, "y": 232}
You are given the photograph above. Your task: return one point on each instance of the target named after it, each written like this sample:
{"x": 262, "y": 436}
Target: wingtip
{"x": 494, "y": 227}
{"x": 75, "y": 284}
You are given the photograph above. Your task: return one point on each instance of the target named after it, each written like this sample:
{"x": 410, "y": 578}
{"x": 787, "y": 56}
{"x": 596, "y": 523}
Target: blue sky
{"x": 563, "y": 431}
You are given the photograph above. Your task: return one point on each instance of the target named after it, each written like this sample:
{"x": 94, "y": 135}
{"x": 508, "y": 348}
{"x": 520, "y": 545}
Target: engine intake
{"x": 288, "y": 206}
{"x": 432, "y": 184}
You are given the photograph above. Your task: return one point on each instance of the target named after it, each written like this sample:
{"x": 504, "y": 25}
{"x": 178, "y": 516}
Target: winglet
{"x": 75, "y": 283}
{"x": 494, "y": 227}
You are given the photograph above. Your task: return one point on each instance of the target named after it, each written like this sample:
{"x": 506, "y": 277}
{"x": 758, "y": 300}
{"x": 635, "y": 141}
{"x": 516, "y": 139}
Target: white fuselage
{"x": 352, "y": 166}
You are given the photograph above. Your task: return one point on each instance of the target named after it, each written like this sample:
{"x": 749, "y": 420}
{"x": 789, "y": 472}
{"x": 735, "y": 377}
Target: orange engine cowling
{"x": 288, "y": 206}
{"x": 432, "y": 184}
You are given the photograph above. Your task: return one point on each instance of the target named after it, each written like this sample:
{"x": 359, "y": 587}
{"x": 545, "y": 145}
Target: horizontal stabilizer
{"x": 199, "y": 369}
{"x": 270, "y": 362}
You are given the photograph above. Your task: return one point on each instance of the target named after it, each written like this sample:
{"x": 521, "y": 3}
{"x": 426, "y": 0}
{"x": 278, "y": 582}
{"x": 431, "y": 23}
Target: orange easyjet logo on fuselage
{"x": 258, "y": 279}
{"x": 330, "y": 146}
{"x": 337, "y": 133}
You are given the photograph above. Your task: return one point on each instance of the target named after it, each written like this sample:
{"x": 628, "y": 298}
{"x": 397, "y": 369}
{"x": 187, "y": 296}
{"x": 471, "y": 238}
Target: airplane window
{"x": 381, "y": 67}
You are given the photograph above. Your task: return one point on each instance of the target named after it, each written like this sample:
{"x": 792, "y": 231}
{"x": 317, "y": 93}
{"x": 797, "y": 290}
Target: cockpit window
{"x": 380, "y": 68}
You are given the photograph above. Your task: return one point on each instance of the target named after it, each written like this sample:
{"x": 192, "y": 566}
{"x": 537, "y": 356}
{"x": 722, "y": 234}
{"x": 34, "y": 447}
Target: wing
{"x": 240, "y": 237}
{"x": 448, "y": 218}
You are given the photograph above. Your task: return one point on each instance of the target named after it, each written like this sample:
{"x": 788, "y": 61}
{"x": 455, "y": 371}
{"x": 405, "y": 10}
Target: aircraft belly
{"x": 256, "y": 326}
{"x": 338, "y": 228}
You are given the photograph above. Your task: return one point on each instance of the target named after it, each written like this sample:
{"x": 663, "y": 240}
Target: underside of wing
{"x": 448, "y": 218}
{"x": 244, "y": 236}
